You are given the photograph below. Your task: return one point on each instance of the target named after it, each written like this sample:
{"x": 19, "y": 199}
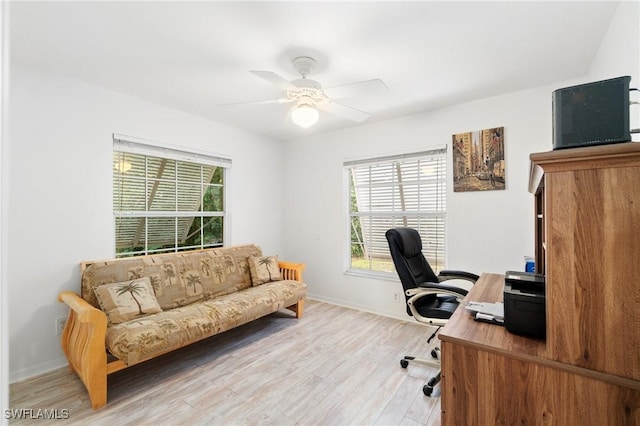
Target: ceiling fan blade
{"x": 274, "y": 78}
{"x": 348, "y": 112}
{"x": 360, "y": 88}
{"x": 267, "y": 101}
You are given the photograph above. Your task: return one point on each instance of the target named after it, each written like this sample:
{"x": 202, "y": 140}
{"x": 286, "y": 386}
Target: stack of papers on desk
{"x": 491, "y": 312}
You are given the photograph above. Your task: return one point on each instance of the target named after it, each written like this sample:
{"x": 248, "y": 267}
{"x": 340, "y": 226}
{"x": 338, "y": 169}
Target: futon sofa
{"x": 137, "y": 308}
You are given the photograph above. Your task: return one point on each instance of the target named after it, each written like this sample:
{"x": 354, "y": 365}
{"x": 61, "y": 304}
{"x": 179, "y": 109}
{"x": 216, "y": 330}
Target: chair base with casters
{"x": 428, "y": 300}
{"x": 431, "y": 384}
{"x": 433, "y": 363}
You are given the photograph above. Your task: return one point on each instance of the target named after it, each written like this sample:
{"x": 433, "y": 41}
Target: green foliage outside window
{"x": 356, "y": 228}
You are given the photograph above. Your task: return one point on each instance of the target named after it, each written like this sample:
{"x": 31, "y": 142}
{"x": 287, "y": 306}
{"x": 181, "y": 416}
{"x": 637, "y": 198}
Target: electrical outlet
{"x": 59, "y": 323}
{"x": 396, "y": 297}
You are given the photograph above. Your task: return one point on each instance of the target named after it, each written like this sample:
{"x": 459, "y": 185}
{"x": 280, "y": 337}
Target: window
{"x": 404, "y": 190}
{"x": 165, "y": 199}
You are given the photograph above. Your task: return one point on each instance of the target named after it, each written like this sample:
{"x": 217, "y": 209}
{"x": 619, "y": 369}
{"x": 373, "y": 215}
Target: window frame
{"x": 439, "y": 151}
{"x": 152, "y": 149}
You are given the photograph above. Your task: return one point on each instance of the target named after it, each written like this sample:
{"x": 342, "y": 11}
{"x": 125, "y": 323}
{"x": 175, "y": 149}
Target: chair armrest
{"x": 291, "y": 271}
{"x": 457, "y": 275}
{"x": 437, "y": 288}
{"x": 427, "y": 289}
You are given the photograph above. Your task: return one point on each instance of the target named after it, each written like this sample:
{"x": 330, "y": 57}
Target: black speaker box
{"x": 591, "y": 114}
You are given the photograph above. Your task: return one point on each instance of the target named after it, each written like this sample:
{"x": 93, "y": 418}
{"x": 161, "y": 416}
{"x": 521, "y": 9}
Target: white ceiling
{"x": 194, "y": 56}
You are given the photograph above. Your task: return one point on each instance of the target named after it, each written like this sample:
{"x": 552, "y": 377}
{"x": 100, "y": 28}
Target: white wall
{"x": 489, "y": 231}
{"x": 619, "y": 52}
{"x": 4, "y": 163}
{"x": 60, "y": 209}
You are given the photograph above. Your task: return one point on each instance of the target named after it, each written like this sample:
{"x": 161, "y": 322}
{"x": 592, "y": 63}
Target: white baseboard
{"x": 383, "y": 312}
{"x": 36, "y": 370}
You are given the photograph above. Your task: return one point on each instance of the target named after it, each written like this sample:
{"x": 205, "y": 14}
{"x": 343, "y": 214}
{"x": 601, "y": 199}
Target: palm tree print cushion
{"x": 127, "y": 300}
{"x": 177, "y": 279}
{"x": 264, "y": 269}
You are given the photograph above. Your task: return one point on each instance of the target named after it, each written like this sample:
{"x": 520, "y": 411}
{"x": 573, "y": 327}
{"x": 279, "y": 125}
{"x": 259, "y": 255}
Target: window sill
{"x": 382, "y": 276}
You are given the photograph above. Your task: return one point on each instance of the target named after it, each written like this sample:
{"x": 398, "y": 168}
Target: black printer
{"x": 524, "y": 303}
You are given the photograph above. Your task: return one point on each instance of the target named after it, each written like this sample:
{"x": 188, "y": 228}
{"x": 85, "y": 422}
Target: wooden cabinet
{"x": 590, "y": 203}
{"x": 587, "y": 233}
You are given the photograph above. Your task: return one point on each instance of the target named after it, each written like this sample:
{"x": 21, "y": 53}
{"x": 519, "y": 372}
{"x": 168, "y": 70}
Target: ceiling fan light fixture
{"x": 308, "y": 96}
{"x": 305, "y": 115}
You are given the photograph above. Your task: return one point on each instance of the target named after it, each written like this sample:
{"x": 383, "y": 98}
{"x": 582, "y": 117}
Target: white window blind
{"x": 386, "y": 192}
{"x": 135, "y": 145}
{"x": 166, "y": 199}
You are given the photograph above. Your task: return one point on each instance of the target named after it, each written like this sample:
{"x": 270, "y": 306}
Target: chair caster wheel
{"x": 427, "y": 390}
{"x": 404, "y": 363}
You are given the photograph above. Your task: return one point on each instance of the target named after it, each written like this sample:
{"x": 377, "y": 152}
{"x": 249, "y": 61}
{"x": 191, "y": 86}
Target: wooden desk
{"x": 493, "y": 377}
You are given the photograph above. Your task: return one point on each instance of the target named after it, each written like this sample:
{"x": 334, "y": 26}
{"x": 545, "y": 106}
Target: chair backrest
{"x": 405, "y": 246}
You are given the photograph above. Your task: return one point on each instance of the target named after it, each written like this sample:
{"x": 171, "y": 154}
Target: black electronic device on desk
{"x": 524, "y": 303}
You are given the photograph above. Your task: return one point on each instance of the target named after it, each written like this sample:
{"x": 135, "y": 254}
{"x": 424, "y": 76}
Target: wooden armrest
{"x": 84, "y": 311}
{"x": 291, "y": 271}
{"x": 83, "y": 342}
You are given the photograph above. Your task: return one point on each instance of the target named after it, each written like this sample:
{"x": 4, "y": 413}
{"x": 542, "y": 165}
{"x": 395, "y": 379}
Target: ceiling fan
{"x": 310, "y": 97}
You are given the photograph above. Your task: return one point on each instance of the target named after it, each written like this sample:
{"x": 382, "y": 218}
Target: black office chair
{"x": 428, "y": 301}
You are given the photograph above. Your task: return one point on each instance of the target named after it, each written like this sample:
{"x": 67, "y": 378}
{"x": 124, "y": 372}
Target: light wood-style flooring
{"x": 334, "y": 366}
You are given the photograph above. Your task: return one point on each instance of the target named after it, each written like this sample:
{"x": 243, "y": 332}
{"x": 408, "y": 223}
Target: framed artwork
{"x": 478, "y": 160}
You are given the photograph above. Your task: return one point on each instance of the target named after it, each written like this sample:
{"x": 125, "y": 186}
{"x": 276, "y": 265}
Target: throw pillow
{"x": 127, "y": 300}
{"x": 264, "y": 269}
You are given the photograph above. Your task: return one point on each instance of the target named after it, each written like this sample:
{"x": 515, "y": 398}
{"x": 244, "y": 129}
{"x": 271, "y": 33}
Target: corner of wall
{"x": 4, "y": 161}
{"x": 619, "y": 53}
